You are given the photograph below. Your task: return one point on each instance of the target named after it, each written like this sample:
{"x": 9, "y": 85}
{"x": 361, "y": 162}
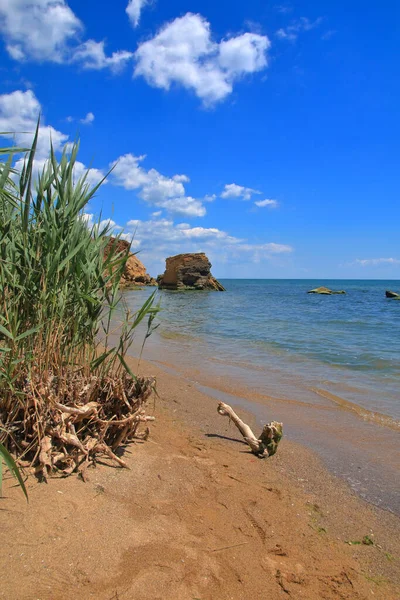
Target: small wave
{"x": 364, "y": 413}
{"x": 168, "y": 334}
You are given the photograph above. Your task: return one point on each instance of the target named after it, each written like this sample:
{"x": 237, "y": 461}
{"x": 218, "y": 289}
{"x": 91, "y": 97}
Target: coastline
{"x": 358, "y": 446}
{"x": 197, "y": 516}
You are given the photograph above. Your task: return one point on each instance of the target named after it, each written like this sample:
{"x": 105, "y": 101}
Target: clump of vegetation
{"x": 366, "y": 541}
{"x": 67, "y": 395}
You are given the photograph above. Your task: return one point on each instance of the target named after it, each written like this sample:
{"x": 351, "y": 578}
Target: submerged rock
{"x": 135, "y": 273}
{"x": 390, "y": 294}
{"x": 188, "y": 272}
{"x": 325, "y": 291}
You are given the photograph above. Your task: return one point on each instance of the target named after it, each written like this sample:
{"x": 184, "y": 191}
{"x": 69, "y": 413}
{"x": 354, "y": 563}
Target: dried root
{"x": 266, "y": 444}
{"x": 66, "y": 424}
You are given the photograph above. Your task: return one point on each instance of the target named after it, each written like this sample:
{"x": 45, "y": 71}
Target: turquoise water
{"x": 348, "y": 345}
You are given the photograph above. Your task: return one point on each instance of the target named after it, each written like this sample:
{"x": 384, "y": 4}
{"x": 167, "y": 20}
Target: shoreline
{"x": 197, "y": 516}
{"x": 361, "y": 451}
{"x": 279, "y": 339}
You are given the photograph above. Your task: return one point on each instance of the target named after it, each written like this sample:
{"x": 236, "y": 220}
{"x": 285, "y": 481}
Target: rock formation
{"x": 392, "y": 295}
{"x": 188, "y": 272}
{"x": 325, "y": 291}
{"x": 135, "y": 273}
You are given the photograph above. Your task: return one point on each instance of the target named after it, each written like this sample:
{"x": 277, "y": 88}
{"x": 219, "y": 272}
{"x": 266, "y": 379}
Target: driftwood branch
{"x": 266, "y": 444}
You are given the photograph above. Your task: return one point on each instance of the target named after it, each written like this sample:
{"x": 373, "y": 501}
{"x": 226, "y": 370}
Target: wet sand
{"x": 197, "y": 517}
{"x": 356, "y": 444}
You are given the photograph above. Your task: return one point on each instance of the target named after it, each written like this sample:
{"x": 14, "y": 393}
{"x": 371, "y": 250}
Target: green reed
{"x": 58, "y": 289}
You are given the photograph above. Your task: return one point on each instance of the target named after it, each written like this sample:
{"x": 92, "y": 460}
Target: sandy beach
{"x": 197, "y": 516}
{"x": 199, "y": 301}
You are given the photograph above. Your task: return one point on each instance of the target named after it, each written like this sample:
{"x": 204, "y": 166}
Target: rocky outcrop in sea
{"x": 324, "y": 291}
{"x": 135, "y": 273}
{"x": 188, "y": 272}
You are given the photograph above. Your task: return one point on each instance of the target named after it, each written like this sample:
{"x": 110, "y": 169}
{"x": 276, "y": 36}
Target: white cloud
{"x": 183, "y": 53}
{"x": 93, "y": 177}
{"x": 15, "y": 52}
{"x": 154, "y": 188}
{"x": 184, "y": 205}
{"x": 268, "y": 202}
{"x": 92, "y": 223}
{"x": 243, "y": 54}
{"x": 232, "y": 190}
{"x": 48, "y": 30}
{"x": 91, "y": 55}
{"x": 19, "y": 112}
{"x": 88, "y": 119}
{"x": 376, "y": 262}
{"x": 38, "y": 29}
{"x": 283, "y": 9}
{"x": 109, "y": 224}
{"x": 328, "y": 34}
{"x": 270, "y": 248}
{"x": 292, "y": 32}
{"x": 88, "y": 218}
{"x": 134, "y": 10}
{"x": 174, "y": 238}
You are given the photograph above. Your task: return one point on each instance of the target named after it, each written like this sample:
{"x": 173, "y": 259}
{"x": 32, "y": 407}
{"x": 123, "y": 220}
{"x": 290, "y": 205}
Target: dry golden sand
{"x": 196, "y": 517}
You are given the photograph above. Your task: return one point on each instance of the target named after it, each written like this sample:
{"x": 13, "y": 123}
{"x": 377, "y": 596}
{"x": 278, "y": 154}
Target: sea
{"x": 328, "y": 367}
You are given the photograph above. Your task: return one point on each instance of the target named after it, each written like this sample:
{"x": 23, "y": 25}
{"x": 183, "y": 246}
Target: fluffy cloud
{"x": 108, "y": 224}
{"x": 19, "y": 112}
{"x": 376, "y": 262}
{"x": 292, "y": 32}
{"x": 93, "y": 176}
{"x": 268, "y": 202}
{"x": 154, "y": 188}
{"x": 232, "y": 190}
{"x": 88, "y": 119}
{"x": 174, "y": 238}
{"x": 38, "y": 29}
{"x": 48, "y": 30}
{"x": 183, "y": 53}
{"x": 91, "y": 55}
{"x": 134, "y": 10}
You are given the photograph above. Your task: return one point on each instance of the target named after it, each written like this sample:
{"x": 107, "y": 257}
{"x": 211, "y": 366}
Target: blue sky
{"x": 263, "y": 133}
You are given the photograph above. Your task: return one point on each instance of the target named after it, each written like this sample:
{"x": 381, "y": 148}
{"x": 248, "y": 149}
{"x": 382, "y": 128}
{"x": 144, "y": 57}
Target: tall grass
{"x": 58, "y": 293}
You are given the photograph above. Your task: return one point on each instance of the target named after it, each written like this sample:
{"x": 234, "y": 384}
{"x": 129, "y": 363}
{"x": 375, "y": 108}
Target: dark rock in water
{"x": 325, "y": 291}
{"x": 188, "y": 272}
{"x": 390, "y": 294}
